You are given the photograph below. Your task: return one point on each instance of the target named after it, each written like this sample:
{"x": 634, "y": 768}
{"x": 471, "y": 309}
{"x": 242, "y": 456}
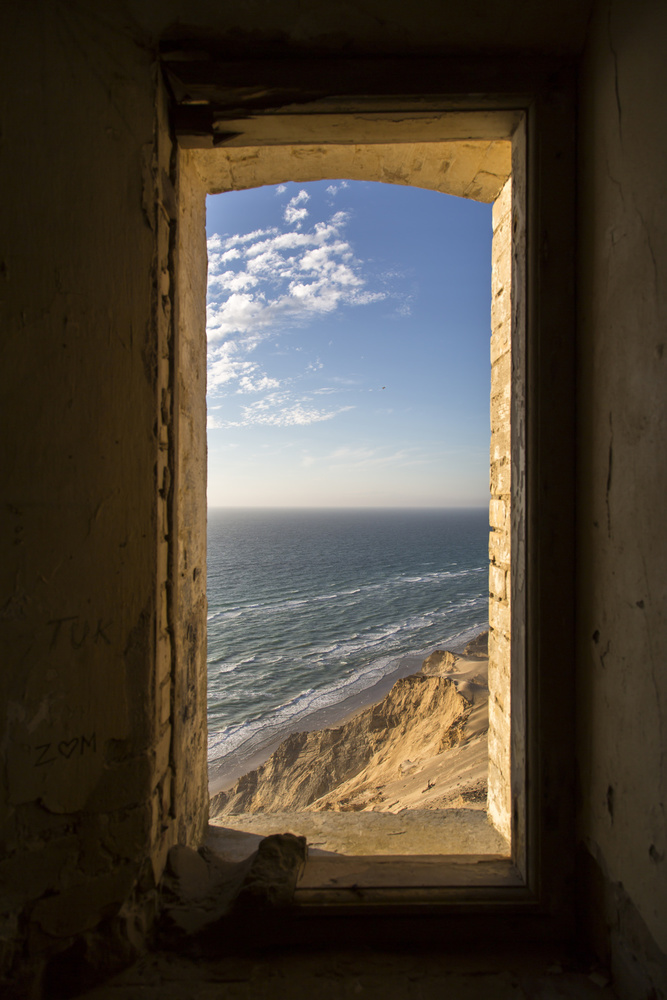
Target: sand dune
{"x": 423, "y": 746}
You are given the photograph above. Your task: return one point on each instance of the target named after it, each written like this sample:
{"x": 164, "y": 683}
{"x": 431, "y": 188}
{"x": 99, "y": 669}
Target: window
{"x": 299, "y": 342}
{"x": 403, "y": 139}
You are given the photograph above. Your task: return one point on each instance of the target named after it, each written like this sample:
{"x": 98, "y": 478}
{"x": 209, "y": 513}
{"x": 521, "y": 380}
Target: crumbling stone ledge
{"x": 201, "y": 894}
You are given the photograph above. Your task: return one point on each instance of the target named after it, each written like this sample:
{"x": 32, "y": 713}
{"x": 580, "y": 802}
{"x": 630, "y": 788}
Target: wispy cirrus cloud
{"x": 360, "y": 457}
{"x": 281, "y": 410}
{"x": 225, "y": 367}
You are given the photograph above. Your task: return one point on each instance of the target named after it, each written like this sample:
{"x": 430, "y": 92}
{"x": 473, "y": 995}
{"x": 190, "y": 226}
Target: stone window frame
{"x": 268, "y": 106}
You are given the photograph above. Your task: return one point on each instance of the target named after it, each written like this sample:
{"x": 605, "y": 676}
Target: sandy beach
{"x": 223, "y": 774}
{"x": 422, "y": 746}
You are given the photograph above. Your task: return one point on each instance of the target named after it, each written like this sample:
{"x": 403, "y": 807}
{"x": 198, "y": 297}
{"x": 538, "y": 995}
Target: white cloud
{"x": 224, "y": 366}
{"x": 298, "y": 415}
{"x": 365, "y": 298}
{"x": 333, "y": 189}
{"x": 292, "y": 213}
{"x": 281, "y": 189}
{"x": 214, "y": 243}
{"x": 266, "y": 281}
{"x": 231, "y": 280}
{"x": 276, "y": 410}
{"x": 295, "y": 215}
{"x": 219, "y": 247}
{"x": 283, "y": 278}
{"x": 359, "y": 457}
{"x": 249, "y": 384}
{"x": 351, "y": 454}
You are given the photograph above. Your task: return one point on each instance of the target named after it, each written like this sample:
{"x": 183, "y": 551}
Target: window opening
{"x": 314, "y": 613}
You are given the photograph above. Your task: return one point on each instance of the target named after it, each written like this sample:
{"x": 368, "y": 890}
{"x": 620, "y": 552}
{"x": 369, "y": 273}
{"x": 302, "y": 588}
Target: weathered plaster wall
{"x": 622, "y": 480}
{"x": 188, "y": 581}
{"x": 499, "y": 795}
{"x": 86, "y": 616}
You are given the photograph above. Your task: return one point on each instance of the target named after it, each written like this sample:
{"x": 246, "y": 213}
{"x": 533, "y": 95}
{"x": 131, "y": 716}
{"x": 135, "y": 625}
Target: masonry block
{"x": 497, "y": 578}
{"x": 499, "y": 616}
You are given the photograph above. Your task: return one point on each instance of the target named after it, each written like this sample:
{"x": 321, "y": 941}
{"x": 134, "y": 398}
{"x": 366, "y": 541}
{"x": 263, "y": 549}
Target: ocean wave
{"x": 244, "y": 739}
{"x": 391, "y": 638}
{"x": 275, "y": 605}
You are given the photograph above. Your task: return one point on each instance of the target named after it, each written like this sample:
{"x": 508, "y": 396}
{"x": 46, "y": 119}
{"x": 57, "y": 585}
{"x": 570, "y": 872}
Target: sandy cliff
{"x": 422, "y": 747}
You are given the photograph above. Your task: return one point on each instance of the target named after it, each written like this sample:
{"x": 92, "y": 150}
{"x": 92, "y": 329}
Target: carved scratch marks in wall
{"x": 609, "y": 471}
{"x": 77, "y": 631}
{"x": 614, "y": 55}
{"x": 78, "y": 746}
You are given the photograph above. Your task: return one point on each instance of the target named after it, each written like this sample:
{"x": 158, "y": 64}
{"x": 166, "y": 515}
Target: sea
{"x": 313, "y": 613}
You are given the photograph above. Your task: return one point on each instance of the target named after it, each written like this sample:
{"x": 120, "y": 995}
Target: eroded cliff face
{"x": 341, "y": 768}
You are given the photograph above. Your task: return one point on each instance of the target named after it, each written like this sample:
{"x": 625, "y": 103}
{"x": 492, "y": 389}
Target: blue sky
{"x": 348, "y": 347}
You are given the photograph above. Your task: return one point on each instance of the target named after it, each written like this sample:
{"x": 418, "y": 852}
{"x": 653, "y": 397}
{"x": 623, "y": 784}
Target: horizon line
{"x": 346, "y": 507}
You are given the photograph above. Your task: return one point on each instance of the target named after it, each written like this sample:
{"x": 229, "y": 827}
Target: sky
{"x": 348, "y": 347}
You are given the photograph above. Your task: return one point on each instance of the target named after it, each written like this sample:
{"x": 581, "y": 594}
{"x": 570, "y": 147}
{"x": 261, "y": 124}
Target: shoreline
{"x": 422, "y": 747}
{"x": 222, "y": 778}
{"x": 322, "y": 718}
